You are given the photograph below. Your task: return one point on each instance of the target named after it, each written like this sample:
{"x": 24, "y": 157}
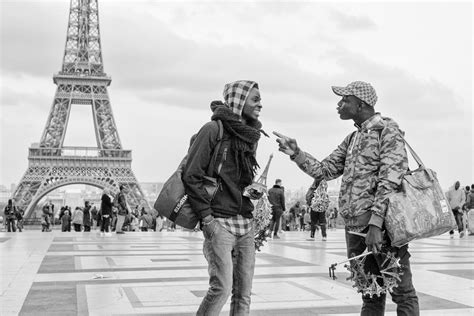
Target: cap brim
{"x": 342, "y": 91}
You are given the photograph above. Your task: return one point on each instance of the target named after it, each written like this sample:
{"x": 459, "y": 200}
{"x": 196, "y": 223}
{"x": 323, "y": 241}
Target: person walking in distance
{"x": 372, "y": 161}
{"x": 19, "y": 214}
{"x": 122, "y": 207}
{"x": 77, "y": 219}
{"x": 295, "y": 212}
{"x": 318, "y": 199}
{"x": 87, "y": 217}
{"x": 66, "y": 221}
{"x": 10, "y": 217}
{"x": 276, "y": 197}
{"x": 105, "y": 212}
{"x": 456, "y": 199}
{"x": 227, "y": 220}
{"x": 469, "y": 206}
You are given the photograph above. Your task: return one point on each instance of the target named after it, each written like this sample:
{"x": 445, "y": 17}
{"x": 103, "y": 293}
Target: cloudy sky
{"x": 169, "y": 59}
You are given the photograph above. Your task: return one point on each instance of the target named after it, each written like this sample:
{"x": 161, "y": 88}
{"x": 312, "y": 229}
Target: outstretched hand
{"x": 286, "y": 144}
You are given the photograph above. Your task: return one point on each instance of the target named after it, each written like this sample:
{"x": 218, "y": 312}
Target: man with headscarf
{"x": 226, "y": 217}
{"x": 372, "y": 161}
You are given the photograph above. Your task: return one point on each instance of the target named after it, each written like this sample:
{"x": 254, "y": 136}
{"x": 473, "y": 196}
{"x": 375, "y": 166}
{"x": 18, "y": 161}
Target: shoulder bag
{"x": 172, "y": 202}
{"x": 420, "y": 209}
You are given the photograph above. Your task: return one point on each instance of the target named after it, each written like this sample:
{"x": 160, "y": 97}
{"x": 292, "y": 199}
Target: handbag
{"x": 420, "y": 209}
{"x": 172, "y": 202}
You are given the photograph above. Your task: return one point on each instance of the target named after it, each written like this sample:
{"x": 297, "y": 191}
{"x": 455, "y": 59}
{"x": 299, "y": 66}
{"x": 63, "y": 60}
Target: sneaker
{"x": 324, "y": 238}
{"x": 108, "y": 234}
{"x": 276, "y": 237}
{"x": 461, "y": 234}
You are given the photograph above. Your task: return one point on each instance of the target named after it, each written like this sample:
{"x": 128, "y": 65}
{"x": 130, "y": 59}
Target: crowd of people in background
{"x": 316, "y": 216}
{"x": 112, "y": 215}
{"x": 462, "y": 204}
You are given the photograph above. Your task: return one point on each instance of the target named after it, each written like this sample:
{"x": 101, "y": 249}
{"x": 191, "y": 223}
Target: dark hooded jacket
{"x": 276, "y": 197}
{"x": 228, "y": 201}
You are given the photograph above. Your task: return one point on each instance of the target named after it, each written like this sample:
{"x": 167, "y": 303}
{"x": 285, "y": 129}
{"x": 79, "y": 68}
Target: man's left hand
{"x": 373, "y": 239}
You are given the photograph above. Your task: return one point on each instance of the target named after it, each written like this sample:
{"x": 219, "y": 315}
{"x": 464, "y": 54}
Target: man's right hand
{"x": 286, "y": 144}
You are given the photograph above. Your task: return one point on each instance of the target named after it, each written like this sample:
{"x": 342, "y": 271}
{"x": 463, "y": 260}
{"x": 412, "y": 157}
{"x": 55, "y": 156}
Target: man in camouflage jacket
{"x": 372, "y": 161}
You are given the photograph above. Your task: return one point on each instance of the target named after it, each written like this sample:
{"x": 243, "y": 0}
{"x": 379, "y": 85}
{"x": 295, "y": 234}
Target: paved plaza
{"x": 150, "y": 273}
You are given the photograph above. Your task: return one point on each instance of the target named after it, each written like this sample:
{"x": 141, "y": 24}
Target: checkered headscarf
{"x": 236, "y": 93}
{"x": 360, "y": 89}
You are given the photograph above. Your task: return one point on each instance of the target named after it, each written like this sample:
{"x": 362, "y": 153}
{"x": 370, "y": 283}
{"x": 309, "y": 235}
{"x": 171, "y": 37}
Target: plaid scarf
{"x": 244, "y": 141}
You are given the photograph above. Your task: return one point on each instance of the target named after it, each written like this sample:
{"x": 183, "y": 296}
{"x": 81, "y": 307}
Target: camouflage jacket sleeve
{"x": 393, "y": 166}
{"x": 310, "y": 192}
{"x": 328, "y": 169}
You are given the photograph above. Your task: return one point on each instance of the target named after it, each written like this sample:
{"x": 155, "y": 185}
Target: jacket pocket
{"x": 210, "y": 185}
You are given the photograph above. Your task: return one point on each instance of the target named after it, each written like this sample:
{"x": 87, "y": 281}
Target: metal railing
{"x": 89, "y": 152}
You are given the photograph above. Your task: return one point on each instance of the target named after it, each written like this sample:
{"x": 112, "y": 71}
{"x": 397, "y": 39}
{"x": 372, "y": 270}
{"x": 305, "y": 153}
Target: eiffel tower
{"x": 81, "y": 81}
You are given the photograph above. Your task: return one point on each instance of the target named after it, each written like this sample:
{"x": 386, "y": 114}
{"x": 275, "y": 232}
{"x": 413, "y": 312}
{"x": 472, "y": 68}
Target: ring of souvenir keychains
{"x": 368, "y": 283}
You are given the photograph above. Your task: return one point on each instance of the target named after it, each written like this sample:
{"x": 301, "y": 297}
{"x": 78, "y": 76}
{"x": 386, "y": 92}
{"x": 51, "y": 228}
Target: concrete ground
{"x": 150, "y": 273}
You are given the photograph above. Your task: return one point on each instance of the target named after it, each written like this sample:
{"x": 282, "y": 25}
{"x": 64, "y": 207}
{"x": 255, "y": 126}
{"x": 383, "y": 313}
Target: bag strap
{"x": 212, "y": 164}
{"x": 413, "y": 153}
{"x": 410, "y": 149}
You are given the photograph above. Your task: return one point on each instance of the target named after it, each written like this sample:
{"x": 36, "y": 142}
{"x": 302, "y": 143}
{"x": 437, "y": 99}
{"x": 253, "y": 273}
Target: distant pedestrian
{"x": 105, "y": 212}
{"x": 295, "y": 213}
{"x": 87, "y": 217}
{"x": 122, "y": 209}
{"x": 332, "y": 217}
{"x": 47, "y": 214}
{"x": 456, "y": 199}
{"x": 10, "y": 217}
{"x": 19, "y": 214}
{"x": 318, "y": 199}
{"x": 276, "y": 197}
{"x": 146, "y": 221}
{"x": 77, "y": 219}
{"x": 66, "y": 221}
{"x": 469, "y": 206}
{"x": 94, "y": 216}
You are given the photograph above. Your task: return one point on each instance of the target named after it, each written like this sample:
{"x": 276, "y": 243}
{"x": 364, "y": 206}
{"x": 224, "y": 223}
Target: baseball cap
{"x": 360, "y": 89}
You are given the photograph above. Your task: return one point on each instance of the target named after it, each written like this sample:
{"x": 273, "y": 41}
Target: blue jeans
{"x": 404, "y": 295}
{"x": 231, "y": 264}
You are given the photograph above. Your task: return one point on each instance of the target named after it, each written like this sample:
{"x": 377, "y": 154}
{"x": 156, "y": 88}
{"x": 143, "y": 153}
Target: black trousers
{"x": 404, "y": 295}
{"x": 104, "y": 224}
{"x": 275, "y": 223}
{"x": 318, "y": 219}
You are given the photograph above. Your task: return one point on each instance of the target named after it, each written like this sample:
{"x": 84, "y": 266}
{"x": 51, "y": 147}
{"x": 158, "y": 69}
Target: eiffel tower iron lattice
{"x": 82, "y": 82}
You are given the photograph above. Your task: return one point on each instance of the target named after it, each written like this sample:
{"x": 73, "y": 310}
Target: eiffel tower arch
{"x": 82, "y": 82}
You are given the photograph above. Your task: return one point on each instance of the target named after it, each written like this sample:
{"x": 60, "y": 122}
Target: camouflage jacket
{"x": 372, "y": 162}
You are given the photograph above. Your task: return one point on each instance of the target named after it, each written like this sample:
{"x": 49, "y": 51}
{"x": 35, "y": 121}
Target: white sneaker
{"x": 324, "y": 238}
{"x": 109, "y": 234}
{"x": 102, "y": 234}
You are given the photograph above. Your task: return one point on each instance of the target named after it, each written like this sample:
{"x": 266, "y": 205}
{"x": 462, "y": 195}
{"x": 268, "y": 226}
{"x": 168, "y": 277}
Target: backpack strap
{"x": 212, "y": 164}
